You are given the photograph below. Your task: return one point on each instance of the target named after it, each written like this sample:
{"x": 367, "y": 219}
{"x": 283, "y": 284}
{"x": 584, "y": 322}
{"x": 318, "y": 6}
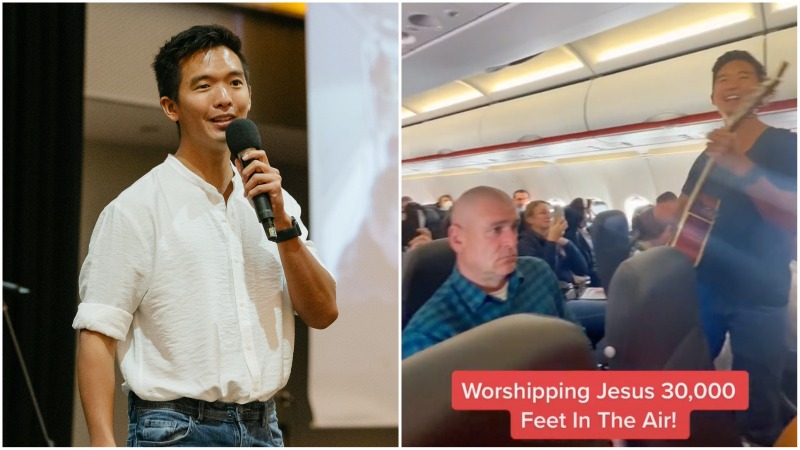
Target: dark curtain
{"x": 43, "y": 48}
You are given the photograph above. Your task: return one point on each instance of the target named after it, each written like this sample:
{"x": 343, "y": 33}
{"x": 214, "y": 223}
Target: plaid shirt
{"x": 459, "y": 305}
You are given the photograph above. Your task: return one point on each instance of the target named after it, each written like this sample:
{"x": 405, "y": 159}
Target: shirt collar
{"x": 474, "y": 296}
{"x": 193, "y": 178}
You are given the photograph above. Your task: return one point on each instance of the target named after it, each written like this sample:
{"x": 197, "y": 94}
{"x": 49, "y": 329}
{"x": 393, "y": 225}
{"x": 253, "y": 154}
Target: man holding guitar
{"x": 743, "y": 253}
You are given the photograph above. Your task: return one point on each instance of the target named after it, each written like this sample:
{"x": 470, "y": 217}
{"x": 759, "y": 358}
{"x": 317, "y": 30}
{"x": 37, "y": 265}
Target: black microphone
{"x": 242, "y": 134}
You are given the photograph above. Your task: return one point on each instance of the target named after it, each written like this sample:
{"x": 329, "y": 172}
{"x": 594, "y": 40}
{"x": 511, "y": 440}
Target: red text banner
{"x": 599, "y": 404}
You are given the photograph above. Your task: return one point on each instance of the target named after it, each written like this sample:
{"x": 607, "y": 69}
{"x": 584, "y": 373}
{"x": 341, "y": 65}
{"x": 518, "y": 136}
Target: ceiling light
{"x": 406, "y": 113}
{"x": 469, "y": 93}
{"x": 517, "y": 166}
{"x": 676, "y": 35}
{"x": 538, "y": 75}
{"x": 598, "y": 157}
{"x": 444, "y": 173}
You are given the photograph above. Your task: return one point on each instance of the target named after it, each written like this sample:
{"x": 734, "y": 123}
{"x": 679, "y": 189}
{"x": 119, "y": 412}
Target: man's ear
{"x": 455, "y": 235}
{"x": 249, "y": 97}
{"x": 170, "y": 108}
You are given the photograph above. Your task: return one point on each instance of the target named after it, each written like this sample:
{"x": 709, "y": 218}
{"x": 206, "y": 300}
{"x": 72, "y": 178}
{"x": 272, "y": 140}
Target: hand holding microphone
{"x": 262, "y": 182}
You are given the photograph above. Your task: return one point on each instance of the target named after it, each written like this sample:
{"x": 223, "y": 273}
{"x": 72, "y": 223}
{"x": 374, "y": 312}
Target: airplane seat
{"x": 653, "y": 323}
{"x": 610, "y": 237}
{"x": 433, "y": 219}
{"x": 424, "y": 270}
{"x": 517, "y": 342}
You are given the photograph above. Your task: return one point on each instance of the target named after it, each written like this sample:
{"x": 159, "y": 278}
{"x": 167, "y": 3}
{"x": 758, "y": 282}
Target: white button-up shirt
{"x": 192, "y": 289}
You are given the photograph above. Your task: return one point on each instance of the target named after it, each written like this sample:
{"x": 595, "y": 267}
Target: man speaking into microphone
{"x": 183, "y": 284}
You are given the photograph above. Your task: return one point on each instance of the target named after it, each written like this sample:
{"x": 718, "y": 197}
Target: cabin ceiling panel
{"x": 685, "y": 28}
{"x": 663, "y": 90}
{"x": 782, "y": 46}
{"x": 527, "y": 29}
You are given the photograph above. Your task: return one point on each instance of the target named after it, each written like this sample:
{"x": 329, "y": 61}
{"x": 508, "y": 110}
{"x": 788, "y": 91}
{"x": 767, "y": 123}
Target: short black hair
{"x": 521, "y": 191}
{"x": 666, "y": 197}
{"x": 167, "y": 64}
{"x": 738, "y": 55}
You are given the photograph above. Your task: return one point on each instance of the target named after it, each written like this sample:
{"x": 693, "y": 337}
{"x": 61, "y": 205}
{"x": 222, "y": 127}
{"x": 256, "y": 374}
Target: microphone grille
{"x": 242, "y": 134}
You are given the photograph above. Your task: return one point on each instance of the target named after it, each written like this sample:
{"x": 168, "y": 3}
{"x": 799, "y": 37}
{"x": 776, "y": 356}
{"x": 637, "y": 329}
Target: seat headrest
{"x": 610, "y": 237}
{"x": 517, "y": 342}
{"x": 652, "y": 313}
{"x": 424, "y": 269}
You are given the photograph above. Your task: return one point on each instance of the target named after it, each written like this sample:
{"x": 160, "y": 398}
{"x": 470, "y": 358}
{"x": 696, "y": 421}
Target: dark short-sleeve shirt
{"x": 747, "y": 258}
{"x": 459, "y": 305}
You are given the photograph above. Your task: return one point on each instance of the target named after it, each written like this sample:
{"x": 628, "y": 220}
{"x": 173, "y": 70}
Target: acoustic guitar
{"x": 697, "y": 220}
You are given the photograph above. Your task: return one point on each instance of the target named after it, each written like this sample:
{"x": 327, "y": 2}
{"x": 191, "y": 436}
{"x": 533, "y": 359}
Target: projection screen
{"x": 352, "y": 85}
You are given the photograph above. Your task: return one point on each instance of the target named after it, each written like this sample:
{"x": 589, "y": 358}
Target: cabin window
{"x": 634, "y": 205}
{"x": 597, "y": 207}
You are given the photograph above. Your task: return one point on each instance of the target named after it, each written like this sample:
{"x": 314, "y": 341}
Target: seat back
{"x": 517, "y": 342}
{"x": 424, "y": 269}
{"x": 653, "y": 323}
{"x": 610, "y": 237}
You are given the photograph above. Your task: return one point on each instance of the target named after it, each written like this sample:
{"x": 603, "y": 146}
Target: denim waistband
{"x": 201, "y": 409}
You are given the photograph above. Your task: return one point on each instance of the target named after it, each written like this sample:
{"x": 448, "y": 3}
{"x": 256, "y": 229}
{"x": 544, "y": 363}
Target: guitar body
{"x": 699, "y": 221}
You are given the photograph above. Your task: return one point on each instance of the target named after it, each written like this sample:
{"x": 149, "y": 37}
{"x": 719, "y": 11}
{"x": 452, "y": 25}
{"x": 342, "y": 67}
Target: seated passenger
{"x": 443, "y": 205}
{"x": 413, "y": 224}
{"x": 544, "y": 239}
{"x": 647, "y": 231}
{"x": 488, "y": 281}
{"x": 576, "y": 220}
{"x": 667, "y": 208}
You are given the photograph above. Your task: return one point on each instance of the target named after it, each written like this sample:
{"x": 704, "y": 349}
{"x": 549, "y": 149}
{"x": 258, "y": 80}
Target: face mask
{"x": 446, "y": 205}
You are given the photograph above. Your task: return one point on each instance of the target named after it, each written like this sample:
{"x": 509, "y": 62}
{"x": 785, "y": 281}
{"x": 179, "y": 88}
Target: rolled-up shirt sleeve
{"x": 115, "y": 274}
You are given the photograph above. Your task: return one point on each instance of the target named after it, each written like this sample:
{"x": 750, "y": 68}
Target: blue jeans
{"x": 591, "y": 314}
{"x": 758, "y": 345}
{"x": 194, "y": 423}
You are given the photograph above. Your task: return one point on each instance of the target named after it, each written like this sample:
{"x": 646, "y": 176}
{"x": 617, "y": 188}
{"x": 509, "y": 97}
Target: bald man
{"x": 488, "y": 281}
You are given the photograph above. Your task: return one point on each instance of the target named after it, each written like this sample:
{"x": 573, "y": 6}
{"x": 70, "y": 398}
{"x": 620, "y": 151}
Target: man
{"x": 666, "y": 207}
{"x": 744, "y": 277}
{"x": 405, "y": 200}
{"x": 181, "y": 281}
{"x": 521, "y": 200}
{"x": 488, "y": 280}
{"x": 647, "y": 231}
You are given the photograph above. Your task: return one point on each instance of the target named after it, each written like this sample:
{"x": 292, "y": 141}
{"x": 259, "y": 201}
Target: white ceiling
{"x": 500, "y": 34}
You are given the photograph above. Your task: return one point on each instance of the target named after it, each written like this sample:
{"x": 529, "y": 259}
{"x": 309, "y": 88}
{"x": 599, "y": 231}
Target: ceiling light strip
{"x": 695, "y": 29}
{"x": 537, "y": 76}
